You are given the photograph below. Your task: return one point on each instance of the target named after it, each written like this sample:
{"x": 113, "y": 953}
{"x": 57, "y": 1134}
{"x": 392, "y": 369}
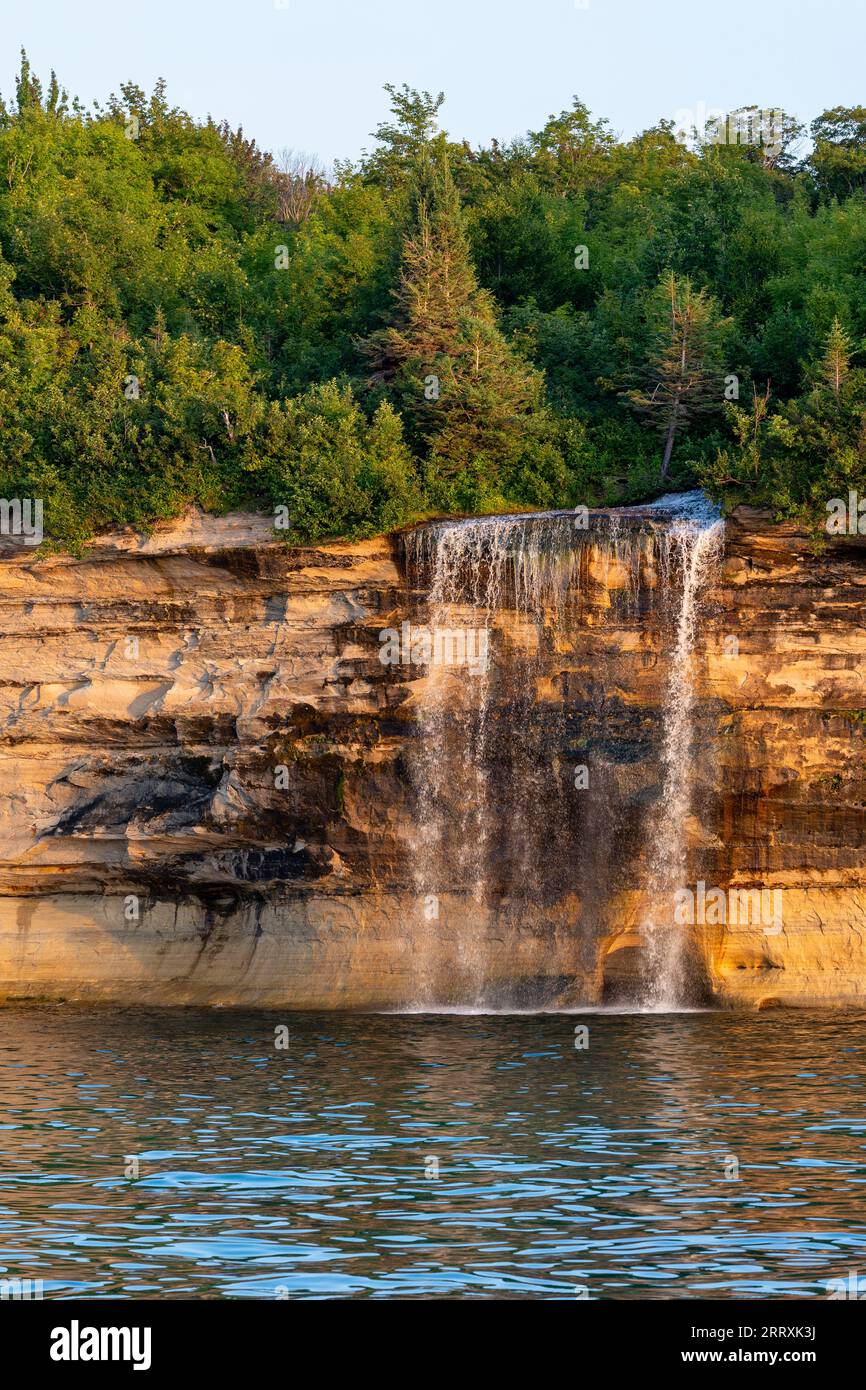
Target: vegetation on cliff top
{"x": 564, "y": 318}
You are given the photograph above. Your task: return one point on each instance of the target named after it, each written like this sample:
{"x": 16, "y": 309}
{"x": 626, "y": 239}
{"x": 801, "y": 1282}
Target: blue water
{"x": 678, "y": 1156}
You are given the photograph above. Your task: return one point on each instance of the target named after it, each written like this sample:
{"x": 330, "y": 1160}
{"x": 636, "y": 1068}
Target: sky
{"x": 308, "y": 74}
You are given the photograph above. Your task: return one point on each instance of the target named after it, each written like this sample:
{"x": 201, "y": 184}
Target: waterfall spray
{"x": 495, "y": 828}
{"x": 690, "y": 550}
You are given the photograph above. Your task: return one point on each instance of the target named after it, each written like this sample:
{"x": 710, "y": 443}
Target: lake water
{"x": 688, "y": 1155}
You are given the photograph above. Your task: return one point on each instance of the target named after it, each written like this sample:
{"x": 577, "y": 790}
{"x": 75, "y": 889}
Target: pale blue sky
{"x": 309, "y": 73}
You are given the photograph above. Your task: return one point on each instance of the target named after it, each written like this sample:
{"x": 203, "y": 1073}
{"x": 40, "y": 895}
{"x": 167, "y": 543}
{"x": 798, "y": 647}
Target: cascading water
{"x": 691, "y": 548}
{"x": 472, "y": 570}
{"x": 499, "y": 751}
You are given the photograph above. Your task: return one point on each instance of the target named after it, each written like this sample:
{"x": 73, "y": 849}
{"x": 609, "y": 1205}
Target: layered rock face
{"x": 785, "y": 767}
{"x": 214, "y": 790}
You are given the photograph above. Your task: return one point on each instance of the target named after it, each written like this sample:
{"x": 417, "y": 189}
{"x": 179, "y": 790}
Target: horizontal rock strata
{"x": 210, "y": 780}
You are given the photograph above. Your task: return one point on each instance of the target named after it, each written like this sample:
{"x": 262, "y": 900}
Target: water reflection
{"x": 690, "y": 1155}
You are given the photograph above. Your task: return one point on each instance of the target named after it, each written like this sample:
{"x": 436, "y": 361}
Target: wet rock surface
{"x": 210, "y": 781}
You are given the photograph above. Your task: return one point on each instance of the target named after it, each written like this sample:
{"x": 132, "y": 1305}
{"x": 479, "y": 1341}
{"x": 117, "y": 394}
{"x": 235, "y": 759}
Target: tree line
{"x": 564, "y": 318}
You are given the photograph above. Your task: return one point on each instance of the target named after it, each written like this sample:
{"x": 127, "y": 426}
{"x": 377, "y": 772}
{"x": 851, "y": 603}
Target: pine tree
{"x": 463, "y": 390}
{"x": 684, "y": 364}
{"x": 836, "y": 361}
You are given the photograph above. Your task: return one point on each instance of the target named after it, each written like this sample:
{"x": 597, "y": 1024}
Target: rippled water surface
{"x": 692, "y": 1155}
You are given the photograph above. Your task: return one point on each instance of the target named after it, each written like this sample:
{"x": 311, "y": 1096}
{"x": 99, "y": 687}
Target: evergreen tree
{"x": 684, "y": 363}
{"x": 465, "y": 393}
{"x": 835, "y": 363}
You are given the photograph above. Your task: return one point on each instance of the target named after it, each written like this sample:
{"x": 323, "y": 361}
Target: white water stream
{"x": 530, "y": 568}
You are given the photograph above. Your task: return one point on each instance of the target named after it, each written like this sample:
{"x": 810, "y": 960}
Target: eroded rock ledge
{"x": 149, "y": 689}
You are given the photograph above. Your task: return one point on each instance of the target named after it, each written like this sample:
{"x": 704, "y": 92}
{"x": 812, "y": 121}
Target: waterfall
{"x": 691, "y": 548}
{"x": 472, "y": 570}
{"x": 510, "y": 602}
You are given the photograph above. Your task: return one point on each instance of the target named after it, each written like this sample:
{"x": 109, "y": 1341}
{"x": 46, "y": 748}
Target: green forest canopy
{"x": 563, "y": 319}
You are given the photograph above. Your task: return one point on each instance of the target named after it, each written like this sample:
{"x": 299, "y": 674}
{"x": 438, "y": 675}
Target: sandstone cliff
{"x": 209, "y": 779}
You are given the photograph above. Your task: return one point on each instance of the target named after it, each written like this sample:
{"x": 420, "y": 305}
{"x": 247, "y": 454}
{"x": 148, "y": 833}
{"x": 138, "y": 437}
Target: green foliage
{"x": 475, "y": 408}
{"x": 184, "y": 321}
{"x": 337, "y": 474}
{"x": 806, "y": 451}
{"x": 839, "y": 154}
{"x": 684, "y": 361}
